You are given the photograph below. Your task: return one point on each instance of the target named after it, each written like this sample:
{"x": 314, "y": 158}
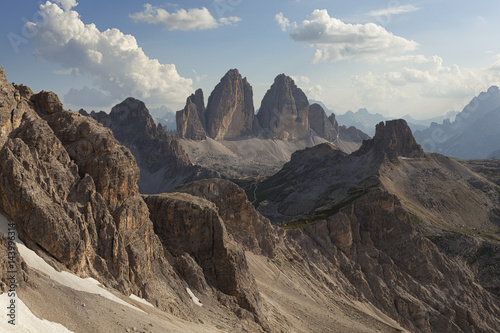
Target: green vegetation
{"x": 415, "y": 220}
{"x": 483, "y": 234}
{"x": 434, "y": 238}
{"x": 325, "y": 213}
{"x": 482, "y": 251}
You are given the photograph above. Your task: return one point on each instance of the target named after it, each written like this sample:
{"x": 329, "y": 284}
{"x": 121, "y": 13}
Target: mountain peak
{"x": 230, "y": 112}
{"x": 284, "y": 110}
{"x": 393, "y": 138}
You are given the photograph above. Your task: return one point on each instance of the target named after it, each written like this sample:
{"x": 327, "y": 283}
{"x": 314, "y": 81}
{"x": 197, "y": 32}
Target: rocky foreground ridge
{"x": 362, "y": 266}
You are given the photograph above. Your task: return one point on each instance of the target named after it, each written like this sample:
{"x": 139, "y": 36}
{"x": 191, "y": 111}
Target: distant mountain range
{"x": 474, "y": 134}
{"x": 366, "y": 121}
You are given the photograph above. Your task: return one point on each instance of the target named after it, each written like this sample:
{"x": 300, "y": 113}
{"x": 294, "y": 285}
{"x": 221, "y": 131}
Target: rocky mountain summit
{"x": 474, "y": 134}
{"x": 285, "y": 114}
{"x": 159, "y": 155}
{"x": 229, "y": 114}
{"x": 228, "y": 137}
{"x": 191, "y": 121}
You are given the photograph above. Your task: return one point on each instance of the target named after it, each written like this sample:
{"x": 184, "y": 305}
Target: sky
{"x": 394, "y": 57}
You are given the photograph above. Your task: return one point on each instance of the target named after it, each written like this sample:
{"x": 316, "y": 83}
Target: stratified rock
{"x": 325, "y": 127}
{"x": 159, "y": 155}
{"x": 284, "y": 112}
{"x": 377, "y": 248}
{"x": 230, "y": 112}
{"x": 242, "y": 221}
{"x": 393, "y": 139}
{"x": 191, "y": 123}
{"x": 71, "y": 190}
{"x": 192, "y": 225}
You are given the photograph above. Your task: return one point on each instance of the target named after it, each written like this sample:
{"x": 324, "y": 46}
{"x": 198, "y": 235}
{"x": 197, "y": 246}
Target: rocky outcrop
{"x": 191, "y": 121}
{"x": 72, "y": 191}
{"x": 191, "y": 227}
{"x": 284, "y": 112}
{"x": 325, "y": 127}
{"x": 376, "y": 247}
{"x": 161, "y": 158}
{"x": 393, "y": 139}
{"x": 230, "y": 112}
{"x": 242, "y": 221}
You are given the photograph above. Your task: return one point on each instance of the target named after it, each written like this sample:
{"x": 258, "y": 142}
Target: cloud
{"x": 395, "y": 10}
{"x": 496, "y": 65}
{"x": 112, "y": 59}
{"x": 192, "y": 19}
{"x": 335, "y": 40}
{"x": 67, "y": 4}
{"x": 88, "y": 97}
{"x": 420, "y": 84}
{"x": 283, "y": 22}
{"x": 300, "y": 79}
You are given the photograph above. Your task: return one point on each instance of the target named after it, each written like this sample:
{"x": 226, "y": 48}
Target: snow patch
{"x": 26, "y": 321}
{"x": 65, "y": 278}
{"x": 141, "y": 300}
{"x": 190, "y": 292}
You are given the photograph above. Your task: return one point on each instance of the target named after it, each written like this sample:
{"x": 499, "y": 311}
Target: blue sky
{"x": 422, "y": 58}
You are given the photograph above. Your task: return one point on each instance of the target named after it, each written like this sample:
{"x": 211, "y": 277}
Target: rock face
{"x": 393, "y": 139}
{"x": 373, "y": 238}
{"x": 325, "y": 127}
{"x": 191, "y": 123}
{"x": 192, "y": 225}
{"x": 473, "y": 134}
{"x": 162, "y": 160}
{"x": 230, "y": 112}
{"x": 72, "y": 191}
{"x": 284, "y": 112}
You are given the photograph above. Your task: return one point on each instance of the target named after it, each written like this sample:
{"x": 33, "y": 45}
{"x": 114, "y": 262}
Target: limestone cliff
{"x": 230, "y": 112}
{"x": 393, "y": 139}
{"x": 325, "y": 127}
{"x": 378, "y": 249}
{"x": 72, "y": 191}
{"x": 191, "y": 121}
{"x": 284, "y": 112}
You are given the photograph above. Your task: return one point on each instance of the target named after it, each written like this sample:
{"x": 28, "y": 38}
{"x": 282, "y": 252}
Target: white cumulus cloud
{"x": 283, "y": 22}
{"x": 192, "y": 19}
{"x": 421, "y": 85}
{"x": 111, "y": 58}
{"x": 335, "y": 40}
{"x": 67, "y": 4}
